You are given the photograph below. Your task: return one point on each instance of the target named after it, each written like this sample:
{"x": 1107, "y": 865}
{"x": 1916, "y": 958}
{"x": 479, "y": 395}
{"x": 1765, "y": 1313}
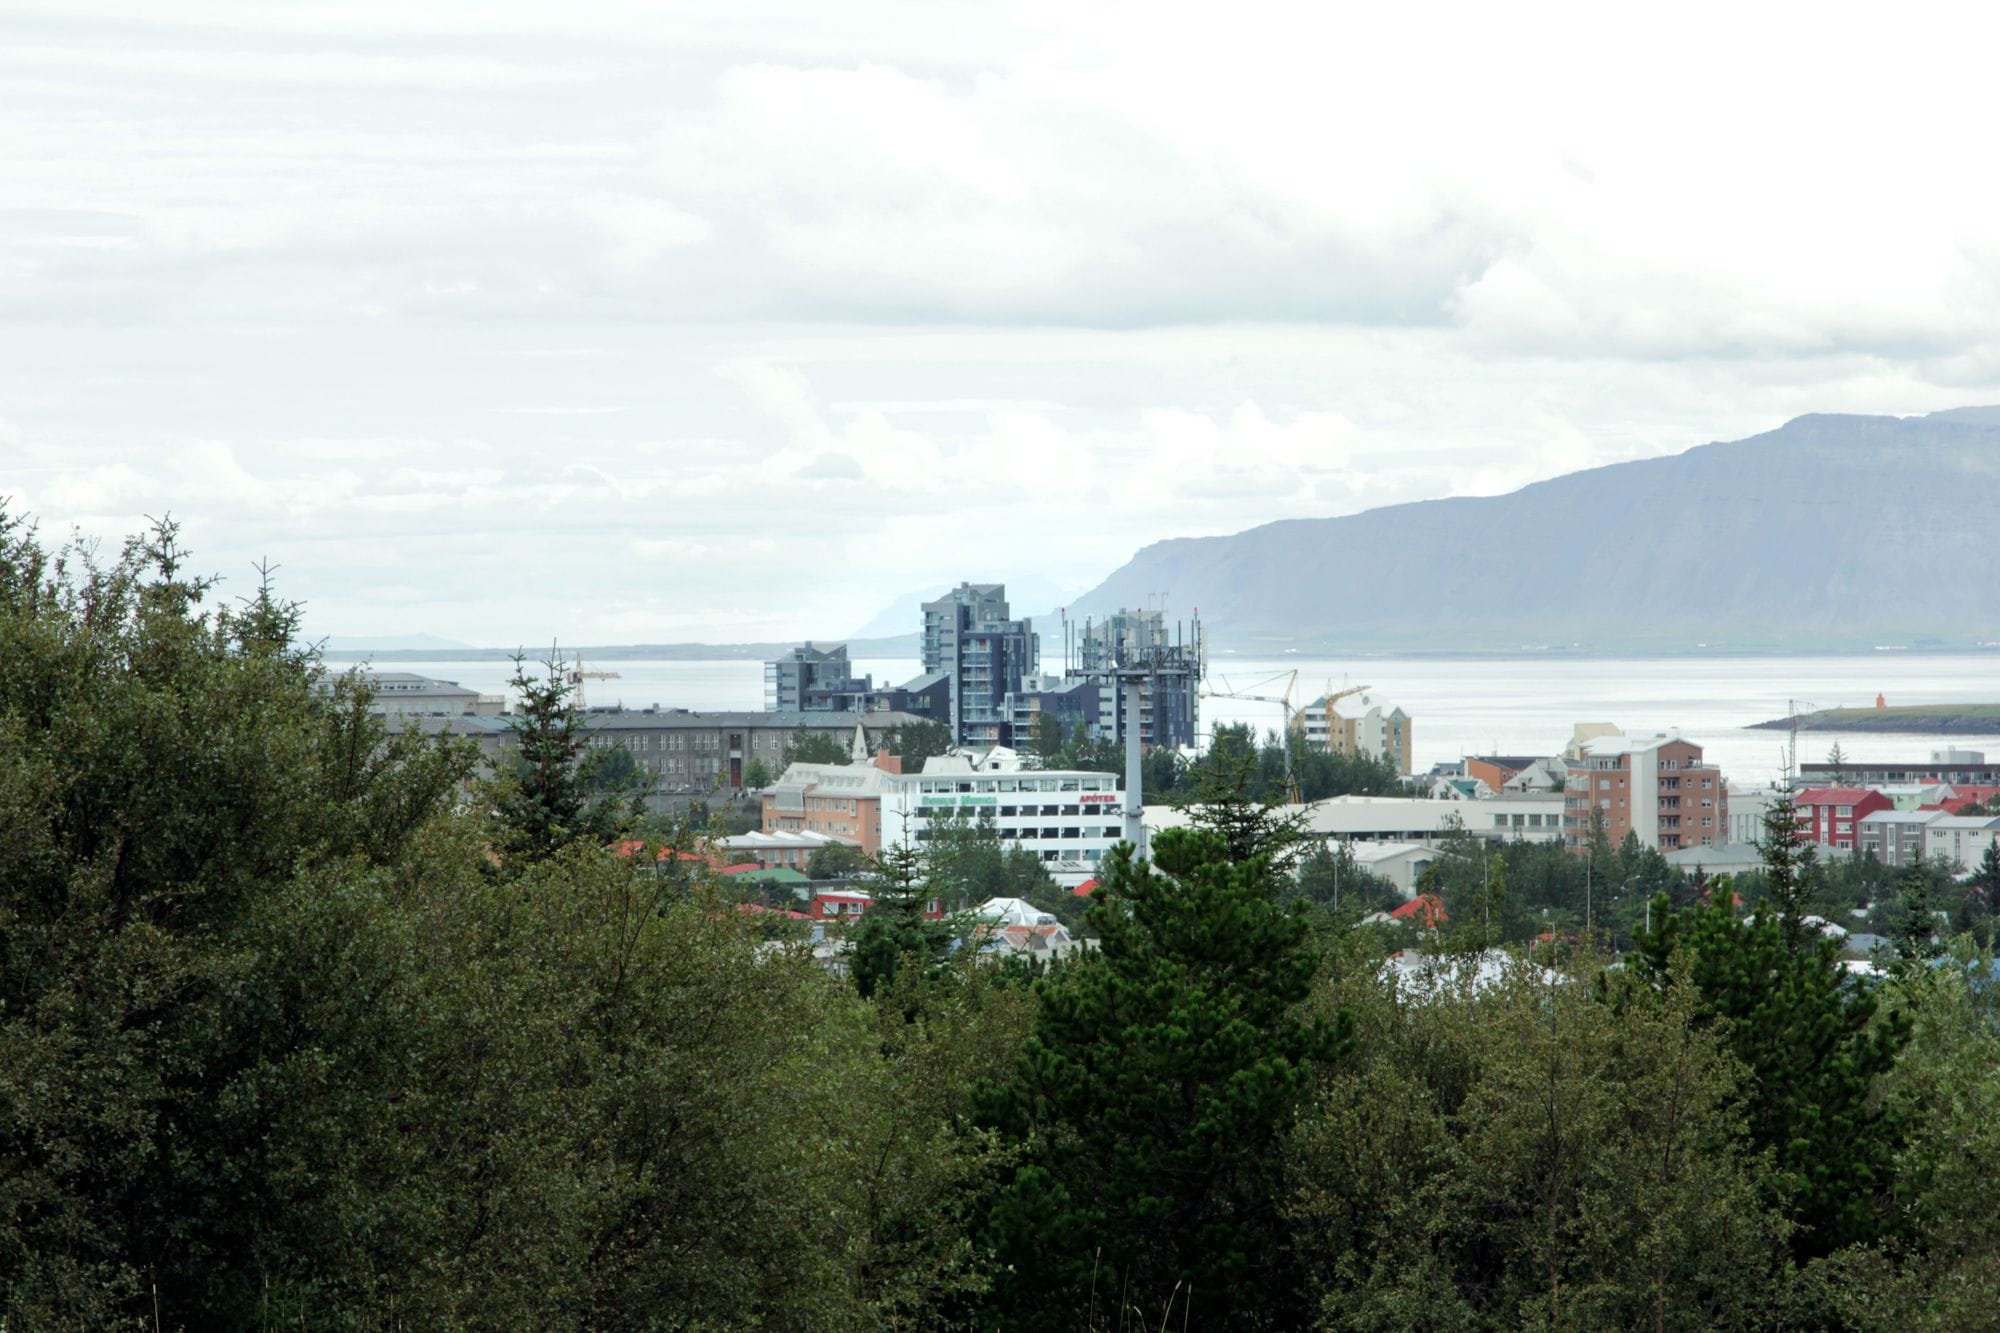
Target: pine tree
{"x": 1151, "y": 1099}
{"x": 1816, "y": 1050}
{"x": 546, "y": 803}
{"x": 1789, "y": 860}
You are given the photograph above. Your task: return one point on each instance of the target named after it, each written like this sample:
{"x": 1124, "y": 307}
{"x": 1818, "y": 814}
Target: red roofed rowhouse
{"x": 1831, "y": 816}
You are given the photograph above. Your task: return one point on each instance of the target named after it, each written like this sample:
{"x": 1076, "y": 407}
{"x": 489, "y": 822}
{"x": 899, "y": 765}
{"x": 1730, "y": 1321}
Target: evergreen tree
{"x": 1789, "y": 859}
{"x": 895, "y": 932}
{"x": 1150, "y": 1101}
{"x": 1987, "y": 878}
{"x": 1816, "y": 1050}
{"x": 547, "y": 803}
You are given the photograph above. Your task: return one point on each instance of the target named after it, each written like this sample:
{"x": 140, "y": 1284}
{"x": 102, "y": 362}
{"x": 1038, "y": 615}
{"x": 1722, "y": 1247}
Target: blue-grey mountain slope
{"x": 1830, "y": 532}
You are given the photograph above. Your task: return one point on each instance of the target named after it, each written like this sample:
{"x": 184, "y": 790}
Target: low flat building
{"x": 1954, "y": 766}
{"x": 1530, "y": 817}
{"x": 792, "y": 849}
{"x": 406, "y": 694}
{"x": 684, "y": 754}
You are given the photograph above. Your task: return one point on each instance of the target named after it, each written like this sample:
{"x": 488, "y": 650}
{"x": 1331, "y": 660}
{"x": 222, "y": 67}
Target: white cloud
{"x": 656, "y": 321}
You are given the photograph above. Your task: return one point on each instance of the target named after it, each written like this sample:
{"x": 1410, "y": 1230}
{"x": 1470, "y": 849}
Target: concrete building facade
{"x": 1960, "y": 840}
{"x": 407, "y": 694}
{"x": 984, "y": 654}
{"x": 1895, "y": 837}
{"x": 1656, "y": 787}
{"x": 815, "y": 680}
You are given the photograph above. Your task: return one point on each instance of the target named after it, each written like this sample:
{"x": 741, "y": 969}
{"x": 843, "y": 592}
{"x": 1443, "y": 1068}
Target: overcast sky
{"x": 616, "y": 322}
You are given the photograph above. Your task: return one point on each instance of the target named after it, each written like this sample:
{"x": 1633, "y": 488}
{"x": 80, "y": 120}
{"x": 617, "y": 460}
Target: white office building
{"x": 1067, "y": 817}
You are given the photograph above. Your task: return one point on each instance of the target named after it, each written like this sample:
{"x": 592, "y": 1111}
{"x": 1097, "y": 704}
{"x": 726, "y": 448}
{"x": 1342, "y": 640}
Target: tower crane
{"x": 1292, "y": 724}
{"x": 577, "y": 675}
{"x": 1333, "y": 697}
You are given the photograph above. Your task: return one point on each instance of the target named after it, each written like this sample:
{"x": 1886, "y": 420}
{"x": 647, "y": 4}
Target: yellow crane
{"x": 577, "y": 675}
{"x": 1330, "y": 698}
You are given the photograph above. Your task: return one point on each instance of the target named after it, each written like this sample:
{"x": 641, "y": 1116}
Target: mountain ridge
{"x": 1475, "y": 573}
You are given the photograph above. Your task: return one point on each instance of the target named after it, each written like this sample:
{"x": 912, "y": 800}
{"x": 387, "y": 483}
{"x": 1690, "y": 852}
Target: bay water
{"x": 1523, "y": 705}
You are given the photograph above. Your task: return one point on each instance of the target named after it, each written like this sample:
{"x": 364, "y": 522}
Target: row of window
{"x": 935, "y": 787}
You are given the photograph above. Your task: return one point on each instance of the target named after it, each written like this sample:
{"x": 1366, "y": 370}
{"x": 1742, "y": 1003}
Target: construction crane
{"x": 577, "y": 675}
{"x": 1292, "y": 724}
{"x": 1332, "y": 697}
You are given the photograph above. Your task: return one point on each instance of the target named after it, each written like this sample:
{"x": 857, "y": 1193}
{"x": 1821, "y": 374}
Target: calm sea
{"x": 1504, "y": 705}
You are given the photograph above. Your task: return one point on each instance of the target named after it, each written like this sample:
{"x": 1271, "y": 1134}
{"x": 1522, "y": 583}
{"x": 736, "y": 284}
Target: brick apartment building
{"x": 1656, "y": 787}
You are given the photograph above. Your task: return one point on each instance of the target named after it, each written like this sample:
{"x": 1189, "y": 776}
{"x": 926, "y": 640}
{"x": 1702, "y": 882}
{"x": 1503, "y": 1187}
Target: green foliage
{"x": 1150, "y": 1101}
{"x": 558, "y": 794}
{"x": 1235, "y": 759}
{"x": 1538, "y": 1152}
{"x": 838, "y": 861}
{"x": 1816, "y": 1050}
{"x": 895, "y": 937}
{"x": 757, "y": 775}
{"x": 813, "y": 747}
{"x": 914, "y": 742}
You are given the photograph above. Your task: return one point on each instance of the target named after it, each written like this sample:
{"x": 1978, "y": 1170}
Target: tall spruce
{"x": 1150, "y": 1102}
{"x": 548, "y": 801}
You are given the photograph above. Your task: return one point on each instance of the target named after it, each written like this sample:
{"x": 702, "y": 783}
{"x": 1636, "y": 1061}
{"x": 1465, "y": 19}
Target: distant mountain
{"x": 351, "y": 644}
{"x": 1830, "y": 532}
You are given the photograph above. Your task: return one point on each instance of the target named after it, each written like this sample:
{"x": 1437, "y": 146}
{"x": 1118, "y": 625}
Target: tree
{"x": 757, "y": 775}
{"x": 1789, "y": 859}
{"x": 813, "y": 747}
{"x": 1987, "y": 877}
{"x": 559, "y": 792}
{"x": 894, "y": 933}
{"x": 172, "y": 778}
{"x": 914, "y": 742}
{"x": 1150, "y": 1101}
{"x": 1836, "y": 760}
{"x": 837, "y": 861}
{"x": 1815, "y": 1048}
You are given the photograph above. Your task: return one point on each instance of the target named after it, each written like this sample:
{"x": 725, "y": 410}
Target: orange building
{"x": 1656, "y": 787}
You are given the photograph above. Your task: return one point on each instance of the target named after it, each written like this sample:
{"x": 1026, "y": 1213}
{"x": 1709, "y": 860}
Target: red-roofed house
{"x": 1426, "y": 909}
{"x": 1831, "y": 816}
{"x": 1083, "y": 890}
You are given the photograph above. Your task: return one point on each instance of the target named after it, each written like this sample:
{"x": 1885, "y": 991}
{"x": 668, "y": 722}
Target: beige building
{"x": 1656, "y": 787}
{"x": 1360, "y": 723}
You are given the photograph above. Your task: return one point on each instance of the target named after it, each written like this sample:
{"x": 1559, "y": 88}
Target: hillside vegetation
{"x": 305, "y": 1027}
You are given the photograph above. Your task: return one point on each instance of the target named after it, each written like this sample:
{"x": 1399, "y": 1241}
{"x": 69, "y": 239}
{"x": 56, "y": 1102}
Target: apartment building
{"x": 1656, "y": 787}
{"x": 1360, "y": 723}
{"x": 1830, "y": 816}
{"x": 1895, "y": 837}
{"x": 1960, "y": 840}
{"x": 983, "y": 654}
{"x": 809, "y": 679}
{"x": 1746, "y": 815}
